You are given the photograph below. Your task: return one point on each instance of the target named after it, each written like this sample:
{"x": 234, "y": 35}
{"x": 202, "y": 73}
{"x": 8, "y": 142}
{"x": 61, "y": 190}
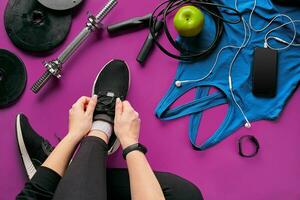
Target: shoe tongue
{"x": 107, "y": 94}
{"x": 110, "y": 94}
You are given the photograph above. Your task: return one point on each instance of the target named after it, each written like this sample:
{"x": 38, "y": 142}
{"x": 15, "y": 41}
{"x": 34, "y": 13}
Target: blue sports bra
{"x": 234, "y": 83}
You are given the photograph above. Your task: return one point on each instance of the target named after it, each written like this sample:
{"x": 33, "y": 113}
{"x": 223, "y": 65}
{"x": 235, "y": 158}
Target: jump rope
{"x": 188, "y": 55}
{"x": 164, "y": 9}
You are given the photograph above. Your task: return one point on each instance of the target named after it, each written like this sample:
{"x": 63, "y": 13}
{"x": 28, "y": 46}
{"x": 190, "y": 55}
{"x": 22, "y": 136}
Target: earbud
{"x": 247, "y": 125}
{"x": 178, "y": 83}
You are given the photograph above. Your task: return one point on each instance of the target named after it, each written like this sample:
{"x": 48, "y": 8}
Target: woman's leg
{"x": 174, "y": 187}
{"x": 85, "y": 178}
{"x": 42, "y": 185}
{"x": 177, "y": 188}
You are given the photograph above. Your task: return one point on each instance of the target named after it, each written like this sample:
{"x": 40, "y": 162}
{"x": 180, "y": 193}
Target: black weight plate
{"x": 12, "y": 77}
{"x": 60, "y": 4}
{"x": 33, "y": 27}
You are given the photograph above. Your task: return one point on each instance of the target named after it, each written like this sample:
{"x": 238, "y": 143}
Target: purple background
{"x": 220, "y": 172}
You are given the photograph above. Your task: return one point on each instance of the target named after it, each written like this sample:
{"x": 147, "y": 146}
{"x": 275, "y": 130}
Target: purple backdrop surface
{"x": 219, "y": 172}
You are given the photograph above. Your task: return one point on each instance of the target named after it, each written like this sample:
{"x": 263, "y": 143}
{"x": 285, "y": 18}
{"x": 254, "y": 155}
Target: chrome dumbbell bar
{"x": 53, "y": 68}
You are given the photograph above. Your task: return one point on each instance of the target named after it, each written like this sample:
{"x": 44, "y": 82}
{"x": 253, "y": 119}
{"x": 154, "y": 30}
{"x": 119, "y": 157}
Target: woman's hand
{"x": 80, "y": 117}
{"x": 127, "y": 124}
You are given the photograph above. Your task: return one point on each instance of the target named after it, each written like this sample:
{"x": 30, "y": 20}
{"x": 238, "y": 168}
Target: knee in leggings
{"x": 177, "y": 188}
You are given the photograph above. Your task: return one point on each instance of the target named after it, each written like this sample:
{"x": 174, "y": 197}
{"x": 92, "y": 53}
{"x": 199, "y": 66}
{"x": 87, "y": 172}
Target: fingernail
{"x": 95, "y": 96}
{"x": 118, "y": 100}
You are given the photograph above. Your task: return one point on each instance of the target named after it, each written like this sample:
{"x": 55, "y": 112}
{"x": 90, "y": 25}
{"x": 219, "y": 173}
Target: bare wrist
{"x": 74, "y": 137}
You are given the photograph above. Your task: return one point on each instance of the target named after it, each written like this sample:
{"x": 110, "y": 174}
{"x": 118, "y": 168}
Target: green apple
{"x": 189, "y": 21}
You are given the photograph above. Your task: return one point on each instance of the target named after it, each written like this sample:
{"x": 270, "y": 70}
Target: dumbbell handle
{"x": 74, "y": 45}
{"x": 83, "y": 35}
{"x": 92, "y": 24}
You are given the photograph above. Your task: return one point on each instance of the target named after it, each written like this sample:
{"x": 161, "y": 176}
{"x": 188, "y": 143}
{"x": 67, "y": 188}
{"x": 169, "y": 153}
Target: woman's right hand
{"x": 80, "y": 116}
{"x": 127, "y": 124}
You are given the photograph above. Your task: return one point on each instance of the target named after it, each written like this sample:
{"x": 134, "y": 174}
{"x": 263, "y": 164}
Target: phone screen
{"x": 264, "y": 74}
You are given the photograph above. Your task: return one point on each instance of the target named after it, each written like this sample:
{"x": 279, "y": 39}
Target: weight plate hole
{"x": 37, "y": 17}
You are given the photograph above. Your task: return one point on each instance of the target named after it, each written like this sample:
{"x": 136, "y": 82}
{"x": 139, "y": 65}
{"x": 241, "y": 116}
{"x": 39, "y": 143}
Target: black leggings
{"x": 87, "y": 179}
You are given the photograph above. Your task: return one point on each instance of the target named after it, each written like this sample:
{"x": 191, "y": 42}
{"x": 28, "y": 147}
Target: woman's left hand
{"x": 81, "y": 116}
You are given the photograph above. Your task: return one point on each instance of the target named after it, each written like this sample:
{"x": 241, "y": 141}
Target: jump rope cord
{"x": 179, "y": 83}
{"x": 244, "y": 44}
{"x": 164, "y": 9}
{"x": 248, "y": 28}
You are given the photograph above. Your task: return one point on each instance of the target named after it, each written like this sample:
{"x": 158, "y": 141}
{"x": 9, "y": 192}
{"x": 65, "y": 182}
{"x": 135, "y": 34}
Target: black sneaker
{"x": 111, "y": 83}
{"x": 34, "y": 149}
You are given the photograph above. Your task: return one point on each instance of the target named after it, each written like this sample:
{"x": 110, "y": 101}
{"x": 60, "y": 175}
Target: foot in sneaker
{"x": 33, "y": 148}
{"x": 111, "y": 83}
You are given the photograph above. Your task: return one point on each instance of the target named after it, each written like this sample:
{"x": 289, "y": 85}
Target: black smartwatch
{"x": 251, "y": 139}
{"x": 134, "y": 147}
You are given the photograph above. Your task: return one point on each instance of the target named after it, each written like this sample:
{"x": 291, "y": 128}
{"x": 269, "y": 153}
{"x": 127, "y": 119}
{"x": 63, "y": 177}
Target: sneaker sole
{"x": 30, "y": 169}
{"x": 117, "y": 144}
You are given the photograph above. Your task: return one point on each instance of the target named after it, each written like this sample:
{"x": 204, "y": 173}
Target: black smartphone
{"x": 264, "y": 72}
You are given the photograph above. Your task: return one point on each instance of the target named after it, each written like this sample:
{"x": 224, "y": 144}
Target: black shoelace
{"x": 106, "y": 104}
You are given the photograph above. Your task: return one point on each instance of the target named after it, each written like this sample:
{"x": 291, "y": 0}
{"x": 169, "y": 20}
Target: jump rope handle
{"x": 135, "y": 24}
{"x": 129, "y": 25}
{"x": 149, "y": 43}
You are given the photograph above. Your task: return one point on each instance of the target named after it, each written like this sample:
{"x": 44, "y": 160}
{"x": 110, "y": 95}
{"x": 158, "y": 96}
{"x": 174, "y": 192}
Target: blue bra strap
{"x": 228, "y": 124}
{"x": 203, "y": 101}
